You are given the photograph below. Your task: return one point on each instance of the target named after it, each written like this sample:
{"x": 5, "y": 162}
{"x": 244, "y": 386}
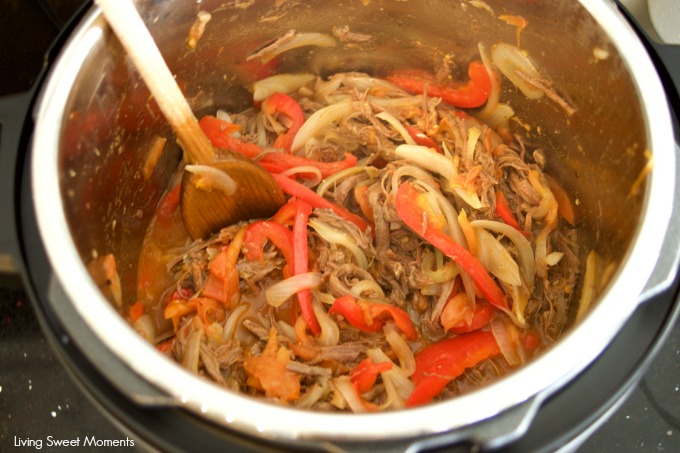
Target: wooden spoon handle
{"x": 133, "y": 34}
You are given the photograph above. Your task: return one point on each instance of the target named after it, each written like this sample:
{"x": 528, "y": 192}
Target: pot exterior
{"x": 95, "y": 126}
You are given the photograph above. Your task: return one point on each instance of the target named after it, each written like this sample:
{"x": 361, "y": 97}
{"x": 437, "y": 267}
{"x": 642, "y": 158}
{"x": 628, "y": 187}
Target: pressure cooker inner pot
{"x": 109, "y": 124}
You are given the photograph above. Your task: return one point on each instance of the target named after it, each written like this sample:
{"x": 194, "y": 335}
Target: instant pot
{"x": 69, "y": 180}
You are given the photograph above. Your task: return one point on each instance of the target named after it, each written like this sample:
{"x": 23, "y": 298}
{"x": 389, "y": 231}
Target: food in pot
{"x": 422, "y": 251}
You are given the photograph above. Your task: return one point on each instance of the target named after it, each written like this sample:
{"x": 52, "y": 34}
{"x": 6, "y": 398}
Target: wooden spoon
{"x": 204, "y": 211}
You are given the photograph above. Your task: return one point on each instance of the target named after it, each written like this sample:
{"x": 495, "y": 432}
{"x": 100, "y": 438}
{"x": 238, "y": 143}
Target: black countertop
{"x": 38, "y": 398}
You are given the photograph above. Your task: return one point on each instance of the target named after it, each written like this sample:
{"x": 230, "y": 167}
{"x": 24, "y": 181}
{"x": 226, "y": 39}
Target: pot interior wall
{"x": 109, "y": 124}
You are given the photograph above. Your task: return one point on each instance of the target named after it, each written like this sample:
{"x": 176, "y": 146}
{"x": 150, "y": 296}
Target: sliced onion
{"x": 440, "y": 164}
{"x": 525, "y": 254}
{"x": 279, "y": 292}
{"x": 396, "y": 124}
{"x": 346, "y": 389}
{"x": 261, "y": 130}
{"x": 211, "y": 178}
{"x": 330, "y": 333}
{"x": 293, "y": 42}
{"x": 334, "y": 179}
{"x": 507, "y": 337}
{"x": 397, "y": 384}
{"x": 324, "y": 88}
{"x": 233, "y": 320}
{"x": 324, "y": 298}
{"x": 416, "y": 173}
{"x": 496, "y": 259}
{"x": 396, "y": 103}
{"x": 145, "y": 326}
{"x": 454, "y": 230}
{"x": 520, "y": 298}
{"x": 443, "y": 273}
{"x": 306, "y": 170}
{"x": 434, "y": 289}
{"x": 428, "y": 159}
{"x": 363, "y": 83}
{"x": 541, "y": 252}
{"x": 589, "y": 285}
{"x": 286, "y": 330}
{"x": 364, "y": 288}
{"x": 547, "y": 208}
{"x": 281, "y": 83}
{"x": 320, "y": 120}
{"x": 494, "y": 112}
{"x": 511, "y": 59}
{"x": 554, "y": 258}
{"x": 224, "y": 116}
{"x": 473, "y": 137}
{"x": 314, "y": 394}
{"x": 442, "y": 300}
{"x": 402, "y": 350}
{"x": 336, "y": 236}
{"x": 192, "y": 349}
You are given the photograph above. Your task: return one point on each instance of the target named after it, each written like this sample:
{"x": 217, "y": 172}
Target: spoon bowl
{"x": 204, "y": 212}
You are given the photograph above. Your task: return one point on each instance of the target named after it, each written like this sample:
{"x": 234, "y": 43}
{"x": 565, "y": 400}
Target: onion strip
{"x": 292, "y": 40}
{"x": 525, "y": 254}
{"x": 232, "y": 323}
{"x": 396, "y": 124}
{"x": 335, "y": 236}
{"x": 281, "y": 83}
{"x": 510, "y": 60}
{"x": 496, "y": 259}
{"x": 330, "y": 333}
{"x": 211, "y": 178}
{"x": 440, "y": 164}
{"x": 281, "y": 291}
{"x": 333, "y": 179}
{"x": 589, "y": 285}
{"x": 507, "y": 337}
{"x": 494, "y": 112}
{"x": 345, "y": 388}
{"x": 306, "y": 170}
{"x": 321, "y": 119}
{"x": 397, "y": 384}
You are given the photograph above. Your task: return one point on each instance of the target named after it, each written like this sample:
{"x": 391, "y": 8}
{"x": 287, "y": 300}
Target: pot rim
{"x": 578, "y": 348}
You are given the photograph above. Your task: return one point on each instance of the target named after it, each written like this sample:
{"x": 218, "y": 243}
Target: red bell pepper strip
{"x": 223, "y": 280}
{"x": 400, "y": 317}
{"x": 301, "y": 264}
{"x": 422, "y": 139}
{"x": 472, "y": 94}
{"x": 279, "y": 162}
{"x": 286, "y": 214}
{"x": 289, "y": 107}
{"x": 445, "y": 360}
{"x": 295, "y": 189}
{"x": 531, "y": 340}
{"x": 369, "y": 316}
{"x": 503, "y": 211}
{"x": 166, "y": 346}
{"x": 363, "y": 202}
{"x": 169, "y": 204}
{"x": 412, "y": 209}
{"x": 258, "y": 233}
{"x": 565, "y": 207}
{"x": 220, "y": 134}
{"x": 356, "y": 314}
{"x": 482, "y": 317}
{"x": 364, "y": 375}
{"x": 136, "y": 311}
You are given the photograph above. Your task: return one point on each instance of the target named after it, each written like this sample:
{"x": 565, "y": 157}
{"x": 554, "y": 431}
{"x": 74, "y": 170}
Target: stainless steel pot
{"x": 93, "y": 130}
